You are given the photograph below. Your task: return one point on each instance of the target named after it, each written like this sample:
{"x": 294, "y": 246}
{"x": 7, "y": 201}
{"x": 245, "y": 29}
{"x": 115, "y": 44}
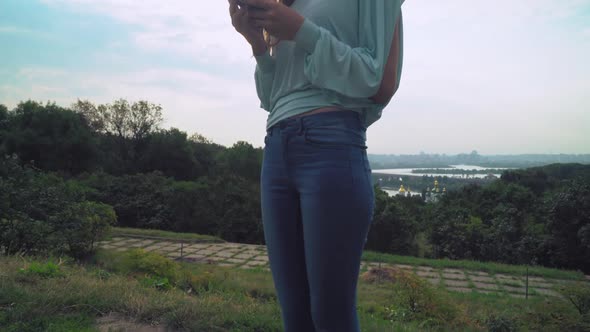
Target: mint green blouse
{"x": 337, "y": 58}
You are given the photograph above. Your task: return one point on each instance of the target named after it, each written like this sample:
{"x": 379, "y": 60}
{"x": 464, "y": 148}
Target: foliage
{"x": 83, "y": 224}
{"x": 500, "y": 323}
{"x": 50, "y": 137}
{"x": 578, "y": 294}
{"x": 138, "y": 261}
{"x": 116, "y": 154}
{"x": 414, "y": 299}
{"x": 42, "y": 213}
{"x": 43, "y": 270}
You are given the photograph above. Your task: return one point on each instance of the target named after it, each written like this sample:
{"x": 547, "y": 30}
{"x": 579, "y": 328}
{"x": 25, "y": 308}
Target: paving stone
{"x": 536, "y": 279}
{"x": 244, "y": 256}
{"x": 482, "y": 279}
{"x": 506, "y": 277}
{"x": 255, "y": 263}
{"x": 197, "y": 246}
{"x": 434, "y": 281}
{"x": 225, "y": 254}
{"x": 479, "y": 273}
{"x": 521, "y": 296}
{"x": 455, "y": 271}
{"x": 425, "y": 269}
{"x": 404, "y": 267}
{"x": 206, "y": 252}
{"x": 169, "y": 249}
{"x": 108, "y": 246}
{"x": 456, "y": 283}
{"x": 234, "y": 245}
{"x": 261, "y": 258}
{"x": 549, "y": 292}
{"x": 215, "y": 258}
{"x": 119, "y": 242}
{"x": 459, "y": 289}
{"x": 118, "y": 238}
{"x": 454, "y": 276}
{"x": 512, "y": 289}
{"x": 217, "y": 247}
{"x": 540, "y": 285}
{"x": 484, "y": 291}
{"x": 227, "y": 264}
{"x": 237, "y": 261}
{"x": 483, "y": 285}
{"x": 428, "y": 274}
{"x": 135, "y": 245}
{"x": 512, "y": 283}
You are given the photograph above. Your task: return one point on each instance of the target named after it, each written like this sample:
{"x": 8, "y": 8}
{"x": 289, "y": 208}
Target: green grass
{"x": 154, "y": 233}
{"x": 230, "y": 299}
{"x": 490, "y": 267}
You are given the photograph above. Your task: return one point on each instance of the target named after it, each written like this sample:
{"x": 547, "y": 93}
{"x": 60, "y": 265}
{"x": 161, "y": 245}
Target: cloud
{"x": 193, "y": 101}
{"x": 186, "y": 27}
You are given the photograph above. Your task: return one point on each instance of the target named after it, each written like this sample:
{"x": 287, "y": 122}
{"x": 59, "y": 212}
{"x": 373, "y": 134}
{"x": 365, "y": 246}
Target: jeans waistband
{"x": 345, "y": 118}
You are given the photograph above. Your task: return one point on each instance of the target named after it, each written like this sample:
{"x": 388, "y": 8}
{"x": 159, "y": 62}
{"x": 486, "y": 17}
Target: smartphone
{"x": 241, "y": 4}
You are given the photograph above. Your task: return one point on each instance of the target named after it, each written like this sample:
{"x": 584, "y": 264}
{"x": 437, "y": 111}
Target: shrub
{"x": 414, "y": 299}
{"x": 83, "y": 224}
{"x": 578, "y": 294}
{"x": 500, "y": 323}
{"x": 136, "y": 261}
{"x": 46, "y": 270}
{"x": 42, "y": 213}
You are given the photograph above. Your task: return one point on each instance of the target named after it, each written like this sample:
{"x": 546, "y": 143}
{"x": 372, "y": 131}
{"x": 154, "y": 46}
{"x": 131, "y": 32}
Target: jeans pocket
{"x": 335, "y": 137}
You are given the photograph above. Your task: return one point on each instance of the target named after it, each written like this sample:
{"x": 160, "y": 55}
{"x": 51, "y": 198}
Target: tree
{"x": 54, "y": 138}
{"x": 242, "y": 159}
{"x": 169, "y": 151}
{"x": 125, "y": 127}
{"x": 569, "y": 227}
{"x": 121, "y": 118}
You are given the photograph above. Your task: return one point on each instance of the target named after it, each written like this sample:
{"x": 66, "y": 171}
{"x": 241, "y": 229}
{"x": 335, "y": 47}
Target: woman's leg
{"x": 284, "y": 236}
{"x": 333, "y": 179}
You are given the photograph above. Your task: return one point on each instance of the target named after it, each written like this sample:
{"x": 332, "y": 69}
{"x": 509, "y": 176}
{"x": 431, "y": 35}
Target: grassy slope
{"x": 234, "y": 300}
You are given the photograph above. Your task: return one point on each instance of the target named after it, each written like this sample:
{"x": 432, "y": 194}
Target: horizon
{"x": 507, "y": 79}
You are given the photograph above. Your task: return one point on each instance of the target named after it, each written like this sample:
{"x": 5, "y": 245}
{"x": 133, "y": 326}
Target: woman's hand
{"x": 242, "y": 23}
{"x": 276, "y": 18}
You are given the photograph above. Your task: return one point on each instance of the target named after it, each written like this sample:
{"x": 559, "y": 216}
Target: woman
{"x": 331, "y": 68}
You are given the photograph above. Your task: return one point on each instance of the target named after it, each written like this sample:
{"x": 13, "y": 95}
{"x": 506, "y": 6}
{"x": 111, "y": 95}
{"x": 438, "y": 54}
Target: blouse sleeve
{"x": 352, "y": 71}
{"x": 264, "y": 76}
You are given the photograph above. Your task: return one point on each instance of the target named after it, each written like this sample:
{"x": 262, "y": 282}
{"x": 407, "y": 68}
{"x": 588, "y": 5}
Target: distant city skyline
{"x": 501, "y": 78}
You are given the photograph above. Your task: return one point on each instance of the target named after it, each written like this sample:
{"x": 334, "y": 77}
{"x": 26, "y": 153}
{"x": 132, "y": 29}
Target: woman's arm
{"x": 352, "y": 71}
{"x": 264, "y": 77}
{"x": 392, "y": 71}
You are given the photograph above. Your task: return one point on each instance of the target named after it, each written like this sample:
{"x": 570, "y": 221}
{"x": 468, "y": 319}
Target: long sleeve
{"x": 355, "y": 72}
{"x": 264, "y": 76}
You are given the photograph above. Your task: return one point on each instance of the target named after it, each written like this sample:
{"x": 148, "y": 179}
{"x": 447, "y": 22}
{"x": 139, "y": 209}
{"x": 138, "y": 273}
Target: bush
{"x": 138, "y": 261}
{"x": 414, "y": 299}
{"x": 46, "y": 270}
{"x": 42, "y": 213}
{"x": 500, "y": 323}
{"x": 85, "y": 223}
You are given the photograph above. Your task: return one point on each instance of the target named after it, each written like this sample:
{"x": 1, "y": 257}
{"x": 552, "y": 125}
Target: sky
{"x": 498, "y": 77}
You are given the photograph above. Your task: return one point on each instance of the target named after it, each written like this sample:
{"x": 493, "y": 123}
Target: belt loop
{"x": 300, "y": 132}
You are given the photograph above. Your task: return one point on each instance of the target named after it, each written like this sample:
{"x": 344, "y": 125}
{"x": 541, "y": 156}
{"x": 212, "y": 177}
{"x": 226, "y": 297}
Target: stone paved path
{"x": 255, "y": 256}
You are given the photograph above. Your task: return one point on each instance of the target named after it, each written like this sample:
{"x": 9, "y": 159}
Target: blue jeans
{"x": 317, "y": 206}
